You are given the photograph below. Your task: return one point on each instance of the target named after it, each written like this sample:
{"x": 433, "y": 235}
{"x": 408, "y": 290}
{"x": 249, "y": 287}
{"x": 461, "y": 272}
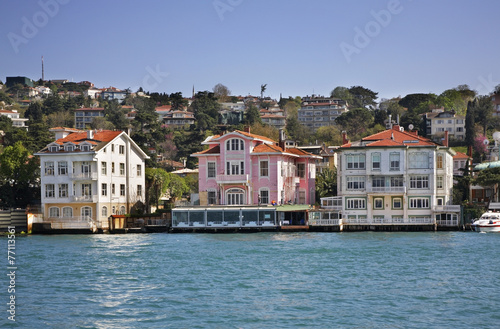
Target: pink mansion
{"x": 240, "y": 168}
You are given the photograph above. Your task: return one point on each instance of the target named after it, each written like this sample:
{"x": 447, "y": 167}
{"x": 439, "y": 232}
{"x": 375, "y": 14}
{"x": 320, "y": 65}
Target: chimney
{"x": 247, "y": 129}
{"x": 90, "y": 134}
{"x": 344, "y": 138}
{"x": 282, "y": 139}
{"x": 445, "y": 141}
{"x": 396, "y": 127}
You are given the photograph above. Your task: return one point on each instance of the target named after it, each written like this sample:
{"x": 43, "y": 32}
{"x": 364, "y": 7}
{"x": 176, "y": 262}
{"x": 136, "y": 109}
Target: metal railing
{"x": 89, "y": 175}
{"x": 84, "y": 198}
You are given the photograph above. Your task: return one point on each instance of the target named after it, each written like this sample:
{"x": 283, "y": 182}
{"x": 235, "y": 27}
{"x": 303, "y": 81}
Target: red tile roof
{"x": 99, "y": 136}
{"x": 212, "y": 150}
{"x": 393, "y": 137}
{"x": 460, "y": 155}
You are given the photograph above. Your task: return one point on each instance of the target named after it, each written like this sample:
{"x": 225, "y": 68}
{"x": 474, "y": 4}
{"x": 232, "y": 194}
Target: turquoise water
{"x": 261, "y": 280}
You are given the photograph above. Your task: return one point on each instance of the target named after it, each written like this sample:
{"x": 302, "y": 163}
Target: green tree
{"x": 206, "y": 111}
{"x": 114, "y": 113}
{"x": 363, "y": 97}
{"x": 252, "y": 115}
{"x": 52, "y": 104}
{"x": 156, "y": 185}
{"x": 34, "y": 112}
{"x": 470, "y": 120}
{"x": 5, "y": 98}
{"x": 178, "y": 102}
{"x": 411, "y": 101}
{"x": 356, "y": 122}
{"x": 330, "y": 135}
{"x": 298, "y": 132}
{"x": 326, "y": 184}
{"x": 263, "y": 88}
{"x": 18, "y": 177}
{"x": 187, "y": 143}
{"x": 484, "y": 112}
{"x": 343, "y": 93}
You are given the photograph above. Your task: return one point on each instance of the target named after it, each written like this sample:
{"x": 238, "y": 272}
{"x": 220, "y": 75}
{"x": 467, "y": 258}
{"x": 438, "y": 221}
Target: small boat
{"x": 488, "y": 222}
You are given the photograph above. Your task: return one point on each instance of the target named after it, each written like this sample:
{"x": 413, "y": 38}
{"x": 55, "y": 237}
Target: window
{"x": 139, "y": 170}
{"x": 235, "y": 168}
{"x": 356, "y": 161}
{"x": 460, "y": 129}
{"x": 122, "y": 189}
{"x": 235, "y": 197}
{"x": 122, "y": 210}
{"x": 53, "y": 212}
{"x": 139, "y": 190}
{"x": 440, "y": 201}
{"x": 113, "y": 189}
{"x": 67, "y": 212}
{"x": 264, "y": 168}
{"x": 85, "y": 148}
{"x": 121, "y": 149}
{"x": 104, "y": 189}
{"x": 378, "y": 203}
{"x": 355, "y": 182}
{"x": 378, "y": 181}
{"x": 112, "y": 167}
{"x": 211, "y": 169}
{"x": 49, "y": 191}
{"x": 418, "y": 160}
{"x": 264, "y": 196}
{"x": 113, "y": 210}
{"x": 212, "y": 197}
{"x": 396, "y": 181}
{"x": 62, "y": 167}
{"x": 419, "y": 181}
{"x": 235, "y": 144}
{"x": 70, "y": 148}
{"x": 356, "y": 204}
{"x": 104, "y": 211}
{"x": 394, "y": 159}
{"x": 397, "y": 203}
{"x": 49, "y": 168}
{"x": 419, "y": 203}
{"x": 376, "y": 161}
{"x": 63, "y": 190}
{"x": 86, "y": 211}
{"x": 440, "y": 182}
{"x": 54, "y": 148}
{"x": 122, "y": 169}
{"x": 439, "y": 161}
{"x": 301, "y": 170}
{"x": 112, "y": 147}
{"x": 86, "y": 190}
{"x": 104, "y": 168}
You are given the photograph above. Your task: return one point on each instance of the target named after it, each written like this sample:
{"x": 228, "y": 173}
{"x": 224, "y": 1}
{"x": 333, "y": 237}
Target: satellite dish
{"x": 496, "y": 136}
{"x": 410, "y": 126}
{"x": 486, "y": 142}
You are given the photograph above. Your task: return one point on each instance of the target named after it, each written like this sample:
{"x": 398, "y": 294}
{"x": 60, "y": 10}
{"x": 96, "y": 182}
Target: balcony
{"x": 232, "y": 179}
{"x": 84, "y": 176}
{"x": 84, "y": 198}
{"x": 447, "y": 208}
{"x": 386, "y": 189}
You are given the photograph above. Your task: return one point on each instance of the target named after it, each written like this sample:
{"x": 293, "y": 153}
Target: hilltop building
{"x": 317, "y": 111}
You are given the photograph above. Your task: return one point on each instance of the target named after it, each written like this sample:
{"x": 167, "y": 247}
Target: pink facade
{"x": 241, "y": 168}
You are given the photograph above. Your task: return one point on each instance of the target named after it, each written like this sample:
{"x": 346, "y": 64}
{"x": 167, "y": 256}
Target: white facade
{"x": 92, "y": 177}
{"x": 380, "y": 180}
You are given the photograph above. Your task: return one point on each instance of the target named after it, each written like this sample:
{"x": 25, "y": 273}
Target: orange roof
{"x": 254, "y": 136}
{"x": 266, "y": 148}
{"x": 460, "y": 155}
{"x": 99, "y": 136}
{"x": 393, "y": 137}
{"x": 212, "y": 150}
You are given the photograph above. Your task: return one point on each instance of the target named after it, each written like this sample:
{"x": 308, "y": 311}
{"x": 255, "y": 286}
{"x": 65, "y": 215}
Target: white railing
{"x": 389, "y": 221}
{"x": 62, "y": 223}
{"x": 89, "y": 175}
{"x": 232, "y": 178}
{"x": 447, "y": 208}
{"x": 387, "y": 189}
{"x": 85, "y": 198}
{"x": 324, "y": 222}
{"x": 447, "y": 222}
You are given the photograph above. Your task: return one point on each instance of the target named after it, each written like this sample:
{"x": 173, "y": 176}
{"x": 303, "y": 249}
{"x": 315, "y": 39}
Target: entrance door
{"x": 235, "y": 197}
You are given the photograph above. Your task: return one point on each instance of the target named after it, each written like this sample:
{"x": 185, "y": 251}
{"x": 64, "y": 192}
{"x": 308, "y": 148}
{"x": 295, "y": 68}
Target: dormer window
{"x": 53, "y": 148}
{"x": 70, "y": 148}
{"x": 85, "y": 148}
{"x": 235, "y": 144}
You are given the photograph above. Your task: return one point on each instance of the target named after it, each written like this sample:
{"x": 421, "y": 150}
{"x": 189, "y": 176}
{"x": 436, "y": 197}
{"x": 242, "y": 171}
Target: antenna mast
{"x": 43, "y": 77}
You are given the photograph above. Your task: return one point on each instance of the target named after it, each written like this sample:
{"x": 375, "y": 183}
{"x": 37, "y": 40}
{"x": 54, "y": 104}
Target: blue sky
{"x": 295, "y": 47}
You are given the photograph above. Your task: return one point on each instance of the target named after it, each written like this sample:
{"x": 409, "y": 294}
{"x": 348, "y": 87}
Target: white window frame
{"x": 104, "y": 189}
{"x": 418, "y": 203}
{"x": 378, "y": 203}
{"x": 50, "y": 191}
{"x": 355, "y": 182}
{"x": 63, "y": 190}
{"x": 264, "y": 196}
{"x": 395, "y": 161}
{"x": 54, "y": 212}
{"x": 49, "y": 168}
{"x": 67, "y": 212}
{"x": 264, "y": 168}
{"x": 62, "y": 167}
{"x": 355, "y": 203}
{"x": 419, "y": 181}
{"x": 418, "y": 160}
{"x": 376, "y": 161}
{"x": 356, "y": 161}
{"x": 104, "y": 168}
{"x": 211, "y": 169}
